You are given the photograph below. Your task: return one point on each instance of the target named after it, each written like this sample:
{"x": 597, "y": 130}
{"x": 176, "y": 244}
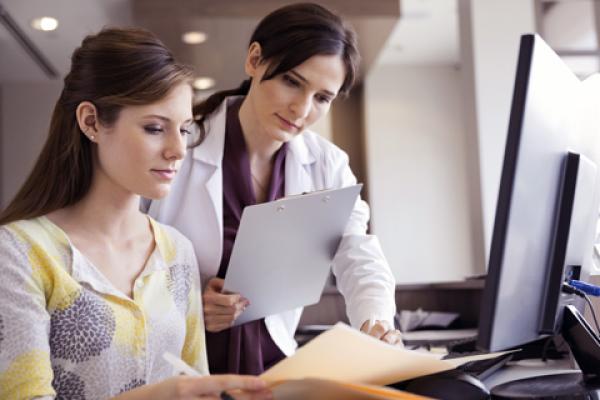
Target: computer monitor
{"x": 547, "y": 203}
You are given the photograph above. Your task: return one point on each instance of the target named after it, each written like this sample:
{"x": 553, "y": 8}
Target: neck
{"x": 106, "y": 211}
{"x": 261, "y": 148}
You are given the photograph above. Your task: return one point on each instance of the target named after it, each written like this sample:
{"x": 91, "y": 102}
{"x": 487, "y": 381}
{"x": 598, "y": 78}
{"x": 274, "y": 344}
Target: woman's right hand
{"x": 221, "y": 310}
{"x": 205, "y": 388}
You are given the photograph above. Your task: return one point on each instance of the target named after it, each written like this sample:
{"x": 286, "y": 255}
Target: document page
{"x": 319, "y": 389}
{"x": 345, "y": 354}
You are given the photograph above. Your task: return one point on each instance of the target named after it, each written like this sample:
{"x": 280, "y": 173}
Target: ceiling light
{"x": 45, "y": 24}
{"x": 203, "y": 83}
{"x": 194, "y": 37}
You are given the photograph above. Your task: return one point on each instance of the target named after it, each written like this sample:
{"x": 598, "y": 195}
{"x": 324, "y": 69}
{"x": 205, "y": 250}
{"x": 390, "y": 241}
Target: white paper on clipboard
{"x": 283, "y": 250}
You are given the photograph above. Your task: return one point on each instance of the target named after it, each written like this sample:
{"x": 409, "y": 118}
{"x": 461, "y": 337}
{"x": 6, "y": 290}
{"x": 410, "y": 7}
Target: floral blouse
{"x": 67, "y": 332}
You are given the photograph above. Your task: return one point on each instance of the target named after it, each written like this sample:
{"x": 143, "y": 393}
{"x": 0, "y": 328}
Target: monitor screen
{"x": 553, "y": 114}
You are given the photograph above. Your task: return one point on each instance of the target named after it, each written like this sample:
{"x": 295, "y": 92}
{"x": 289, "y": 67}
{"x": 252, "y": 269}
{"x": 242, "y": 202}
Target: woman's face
{"x": 141, "y": 152}
{"x": 292, "y": 101}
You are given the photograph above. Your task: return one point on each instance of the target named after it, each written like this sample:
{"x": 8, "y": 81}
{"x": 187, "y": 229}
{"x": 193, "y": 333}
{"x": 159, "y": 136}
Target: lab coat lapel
{"x": 298, "y": 162}
{"x": 210, "y": 155}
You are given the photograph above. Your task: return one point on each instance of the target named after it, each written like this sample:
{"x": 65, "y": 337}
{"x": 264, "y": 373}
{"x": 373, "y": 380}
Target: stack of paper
{"x": 350, "y": 358}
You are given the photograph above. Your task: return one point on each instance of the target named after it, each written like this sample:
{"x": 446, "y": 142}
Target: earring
{"x": 92, "y": 137}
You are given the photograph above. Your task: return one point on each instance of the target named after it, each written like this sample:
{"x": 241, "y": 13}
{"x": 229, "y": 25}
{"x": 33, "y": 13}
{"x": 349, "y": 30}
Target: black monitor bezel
{"x": 513, "y": 139}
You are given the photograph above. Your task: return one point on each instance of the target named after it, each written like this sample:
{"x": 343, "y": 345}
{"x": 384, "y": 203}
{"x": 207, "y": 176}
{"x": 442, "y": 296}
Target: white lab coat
{"x": 195, "y": 207}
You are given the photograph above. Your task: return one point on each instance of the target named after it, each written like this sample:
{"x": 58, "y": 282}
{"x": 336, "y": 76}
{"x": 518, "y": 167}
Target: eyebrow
{"x": 163, "y": 118}
{"x": 303, "y": 79}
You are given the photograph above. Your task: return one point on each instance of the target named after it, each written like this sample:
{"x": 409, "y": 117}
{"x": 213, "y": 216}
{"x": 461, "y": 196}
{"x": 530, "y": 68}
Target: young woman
{"x": 255, "y": 147}
{"x": 94, "y": 292}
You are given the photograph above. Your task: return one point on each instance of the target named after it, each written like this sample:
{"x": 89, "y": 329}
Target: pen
{"x": 179, "y": 366}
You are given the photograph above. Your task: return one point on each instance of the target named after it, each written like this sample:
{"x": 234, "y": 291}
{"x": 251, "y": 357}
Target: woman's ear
{"x": 253, "y": 59}
{"x": 87, "y": 119}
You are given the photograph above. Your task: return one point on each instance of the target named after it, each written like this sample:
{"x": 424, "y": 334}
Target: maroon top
{"x": 247, "y": 348}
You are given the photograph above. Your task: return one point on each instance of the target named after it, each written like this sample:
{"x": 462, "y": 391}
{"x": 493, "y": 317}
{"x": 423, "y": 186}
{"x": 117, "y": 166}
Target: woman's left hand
{"x": 382, "y": 331}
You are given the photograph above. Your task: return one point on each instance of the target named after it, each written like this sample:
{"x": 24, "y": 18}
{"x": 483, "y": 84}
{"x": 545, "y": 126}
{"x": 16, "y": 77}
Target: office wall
{"x": 347, "y": 124}
{"x": 490, "y": 35}
{"x": 416, "y": 161}
{"x": 26, "y": 111}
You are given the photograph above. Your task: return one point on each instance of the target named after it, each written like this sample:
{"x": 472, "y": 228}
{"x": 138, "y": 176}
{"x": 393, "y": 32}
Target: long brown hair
{"x": 289, "y": 36}
{"x": 115, "y": 68}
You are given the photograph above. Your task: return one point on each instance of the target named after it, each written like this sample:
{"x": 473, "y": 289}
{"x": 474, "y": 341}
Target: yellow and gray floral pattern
{"x": 67, "y": 333}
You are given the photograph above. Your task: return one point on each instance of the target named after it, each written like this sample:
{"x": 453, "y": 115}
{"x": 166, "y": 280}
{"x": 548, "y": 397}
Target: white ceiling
{"x": 77, "y": 18}
{"x": 425, "y": 34}
{"x": 15, "y": 63}
{"x": 561, "y": 33}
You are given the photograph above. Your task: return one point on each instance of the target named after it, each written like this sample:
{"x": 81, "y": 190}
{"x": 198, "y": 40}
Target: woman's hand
{"x": 214, "y": 387}
{"x": 221, "y": 310}
{"x": 382, "y": 331}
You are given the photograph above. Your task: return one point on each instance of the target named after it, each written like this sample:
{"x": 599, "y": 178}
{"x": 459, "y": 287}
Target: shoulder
{"x": 35, "y": 248}
{"x": 10, "y": 240}
{"x": 317, "y": 142}
{"x": 24, "y": 226}
{"x": 321, "y": 149}
{"x": 38, "y": 232}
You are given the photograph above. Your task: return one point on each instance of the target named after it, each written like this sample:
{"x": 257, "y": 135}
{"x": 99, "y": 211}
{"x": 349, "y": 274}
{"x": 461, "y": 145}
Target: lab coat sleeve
{"x": 362, "y": 273}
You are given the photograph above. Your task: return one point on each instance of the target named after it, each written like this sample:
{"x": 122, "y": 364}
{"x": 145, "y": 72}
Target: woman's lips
{"x": 287, "y": 124}
{"x": 164, "y": 174}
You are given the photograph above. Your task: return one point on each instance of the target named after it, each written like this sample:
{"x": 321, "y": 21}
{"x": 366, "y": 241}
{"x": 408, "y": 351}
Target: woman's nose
{"x": 301, "y": 106}
{"x": 176, "y": 146}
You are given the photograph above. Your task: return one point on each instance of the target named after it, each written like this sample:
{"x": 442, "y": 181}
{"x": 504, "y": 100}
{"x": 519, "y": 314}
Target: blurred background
{"x": 425, "y": 126}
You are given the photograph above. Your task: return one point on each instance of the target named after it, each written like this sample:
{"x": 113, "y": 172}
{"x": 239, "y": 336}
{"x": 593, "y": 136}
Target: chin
{"x": 156, "y": 193}
{"x": 284, "y": 136}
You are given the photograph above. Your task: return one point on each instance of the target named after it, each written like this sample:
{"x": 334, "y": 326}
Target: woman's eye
{"x": 291, "y": 81}
{"x": 323, "y": 99}
{"x": 153, "y": 129}
{"x": 186, "y": 131}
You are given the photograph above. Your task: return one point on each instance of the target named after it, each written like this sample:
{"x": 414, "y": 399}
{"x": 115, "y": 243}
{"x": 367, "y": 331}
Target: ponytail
{"x": 202, "y": 111}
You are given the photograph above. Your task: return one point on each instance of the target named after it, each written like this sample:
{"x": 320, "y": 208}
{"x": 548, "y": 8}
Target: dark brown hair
{"x": 115, "y": 68}
{"x": 289, "y": 36}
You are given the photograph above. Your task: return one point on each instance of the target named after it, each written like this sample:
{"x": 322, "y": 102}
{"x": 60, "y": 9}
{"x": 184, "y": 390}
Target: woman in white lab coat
{"x": 255, "y": 146}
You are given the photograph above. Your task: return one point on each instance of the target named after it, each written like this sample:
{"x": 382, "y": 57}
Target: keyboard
{"x": 441, "y": 337}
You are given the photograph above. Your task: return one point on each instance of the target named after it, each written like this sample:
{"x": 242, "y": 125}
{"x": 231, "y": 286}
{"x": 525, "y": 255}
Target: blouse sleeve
{"x": 194, "y": 347}
{"x": 25, "y": 368}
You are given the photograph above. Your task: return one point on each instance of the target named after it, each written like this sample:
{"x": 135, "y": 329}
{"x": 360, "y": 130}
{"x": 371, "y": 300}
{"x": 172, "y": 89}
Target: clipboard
{"x": 283, "y": 250}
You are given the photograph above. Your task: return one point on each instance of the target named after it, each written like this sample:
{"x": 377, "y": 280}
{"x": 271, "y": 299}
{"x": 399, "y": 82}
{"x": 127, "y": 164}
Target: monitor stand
{"x": 585, "y": 346}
